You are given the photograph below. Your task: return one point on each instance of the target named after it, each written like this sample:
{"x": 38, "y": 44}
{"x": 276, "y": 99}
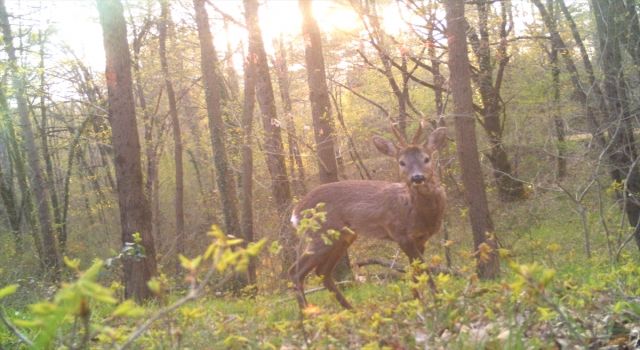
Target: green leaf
{"x": 154, "y": 286}
{"x": 74, "y": 264}
{"x": 93, "y": 271}
{"x": 254, "y": 248}
{"x": 8, "y": 290}
{"x": 129, "y": 309}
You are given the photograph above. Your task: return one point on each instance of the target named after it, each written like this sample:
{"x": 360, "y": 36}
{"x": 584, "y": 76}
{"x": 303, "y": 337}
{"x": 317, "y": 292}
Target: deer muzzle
{"x": 418, "y": 179}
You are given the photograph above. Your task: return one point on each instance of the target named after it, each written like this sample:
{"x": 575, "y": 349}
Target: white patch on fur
{"x": 295, "y": 220}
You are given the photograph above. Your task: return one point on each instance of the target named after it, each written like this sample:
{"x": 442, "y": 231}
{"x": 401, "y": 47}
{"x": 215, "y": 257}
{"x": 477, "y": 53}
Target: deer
{"x": 408, "y": 213}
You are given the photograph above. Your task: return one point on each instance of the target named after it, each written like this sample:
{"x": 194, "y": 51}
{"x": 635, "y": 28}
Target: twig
{"x": 437, "y": 269}
{"x": 194, "y": 293}
{"x": 23, "y": 338}
{"x": 314, "y": 290}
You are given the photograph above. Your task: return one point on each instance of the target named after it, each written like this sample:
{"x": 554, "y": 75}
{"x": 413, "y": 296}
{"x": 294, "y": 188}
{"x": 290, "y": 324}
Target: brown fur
{"x": 408, "y": 213}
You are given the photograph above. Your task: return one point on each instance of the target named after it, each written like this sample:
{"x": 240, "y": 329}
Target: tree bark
{"x": 226, "y": 185}
{"x": 274, "y": 148}
{"x": 39, "y": 186}
{"x": 460, "y": 81}
{"x": 163, "y": 23}
{"x": 135, "y": 210}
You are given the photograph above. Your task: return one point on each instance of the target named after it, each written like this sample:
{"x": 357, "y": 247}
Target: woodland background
{"x": 199, "y": 119}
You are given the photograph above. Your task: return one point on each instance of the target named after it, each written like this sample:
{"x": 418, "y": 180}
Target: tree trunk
{"x": 247, "y": 153}
{"x": 321, "y": 112}
{"x": 460, "y": 81}
{"x": 7, "y": 193}
{"x": 282, "y": 73}
{"x": 622, "y": 152}
{"x": 561, "y": 162}
{"x": 595, "y": 107}
{"x": 39, "y": 185}
{"x": 226, "y": 185}
{"x": 135, "y": 210}
{"x": 50, "y": 176}
{"x": 273, "y": 138}
{"x": 175, "y": 123}
{"x": 509, "y": 188}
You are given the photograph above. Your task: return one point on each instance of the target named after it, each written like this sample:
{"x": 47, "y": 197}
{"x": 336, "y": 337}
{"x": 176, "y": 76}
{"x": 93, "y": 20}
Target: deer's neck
{"x": 428, "y": 201}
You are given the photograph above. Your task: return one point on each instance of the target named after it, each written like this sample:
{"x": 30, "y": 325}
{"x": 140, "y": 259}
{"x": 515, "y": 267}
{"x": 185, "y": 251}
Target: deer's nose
{"x": 418, "y": 179}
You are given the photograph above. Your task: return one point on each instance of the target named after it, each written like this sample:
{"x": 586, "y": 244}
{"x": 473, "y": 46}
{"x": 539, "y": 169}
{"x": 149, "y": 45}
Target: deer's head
{"x": 414, "y": 159}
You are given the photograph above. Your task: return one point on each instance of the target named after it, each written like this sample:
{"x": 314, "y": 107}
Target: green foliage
{"x": 84, "y": 309}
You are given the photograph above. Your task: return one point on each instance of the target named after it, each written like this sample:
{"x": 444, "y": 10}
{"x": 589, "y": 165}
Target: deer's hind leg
{"x": 325, "y": 269}
{"x": 315, "y": 255}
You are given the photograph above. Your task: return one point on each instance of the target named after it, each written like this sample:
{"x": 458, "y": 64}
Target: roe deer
{"x": 408, "y": 213}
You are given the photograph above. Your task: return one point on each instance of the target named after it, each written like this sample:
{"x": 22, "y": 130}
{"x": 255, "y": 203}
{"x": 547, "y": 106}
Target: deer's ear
{"x": 436, "y": 139}
{"x": 385, "y": 146}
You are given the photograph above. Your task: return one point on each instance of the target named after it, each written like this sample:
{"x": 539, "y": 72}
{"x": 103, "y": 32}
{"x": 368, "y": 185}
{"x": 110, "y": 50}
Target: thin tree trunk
{"x": 50, "y": 176}
{"x": 280, "y": 186}
{"x": 282, "y": 73}
{"x": 509, "y": 188}
{"x": 39, "y": 186}
{"x": 135, "y": 210}
{"x": 460, "y": 80}
{"x": 594, "y": 110}
{"x": 622, "y": 153}
{"x": 226, "y": 185}
{"x": 175, "y": 122}
{"x": 561, "y": 162}
{"x": 247, "y": 153}
{"x": 7, "y": 193}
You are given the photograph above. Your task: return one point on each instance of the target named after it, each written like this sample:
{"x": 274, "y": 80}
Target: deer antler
{"x": 403, "y": 142}
{"x": 416, "y": 137}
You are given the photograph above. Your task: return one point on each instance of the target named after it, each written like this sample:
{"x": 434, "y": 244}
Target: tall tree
{"x": 273, "y": 135}
{"x": 135, "y": 210}
{"x": 476, "y": 197}
{"x": 622, "y": 151}
{"x": 295, "y": 159}
{"x": 33, "y": 158}
{"x": 247, "y": 152}
{"x": 163, "y": 23}
{"x": 321, "y": 110}
{"x": 561, "y": 162}
{"x": 489, "y": 88}
{"x": 210, "y": 78}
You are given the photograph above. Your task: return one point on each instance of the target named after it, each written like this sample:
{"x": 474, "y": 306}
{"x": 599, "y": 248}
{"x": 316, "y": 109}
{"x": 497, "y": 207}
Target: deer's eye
{"x": 402, "y": 163}
{"x": 426, "y": 160}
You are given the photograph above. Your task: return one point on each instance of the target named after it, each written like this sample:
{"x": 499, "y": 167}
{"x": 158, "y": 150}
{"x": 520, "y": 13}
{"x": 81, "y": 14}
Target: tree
{"x": 622, "y": 151}
{"x": 175, "y": 123}
{"x": 509, "y": 187}
{"x": 273, "y": 136}
{"x": 210, "y": 78}
{"x": 475, "y": 194}
{"x": 135, "y": 210}
{"x": 321, "y": 110}
{"x": 247, "y": 152}
{"x": 39, "y": 187}
{"x": 295, "y": 159}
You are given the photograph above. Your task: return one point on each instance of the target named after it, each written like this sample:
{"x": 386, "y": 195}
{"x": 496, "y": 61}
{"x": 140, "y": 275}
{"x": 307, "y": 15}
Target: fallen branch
{"x": 436, "y": 269}
{"x": 310, "y": 291}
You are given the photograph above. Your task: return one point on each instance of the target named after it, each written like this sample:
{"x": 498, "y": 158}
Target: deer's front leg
{"x": 410, "y": 248}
